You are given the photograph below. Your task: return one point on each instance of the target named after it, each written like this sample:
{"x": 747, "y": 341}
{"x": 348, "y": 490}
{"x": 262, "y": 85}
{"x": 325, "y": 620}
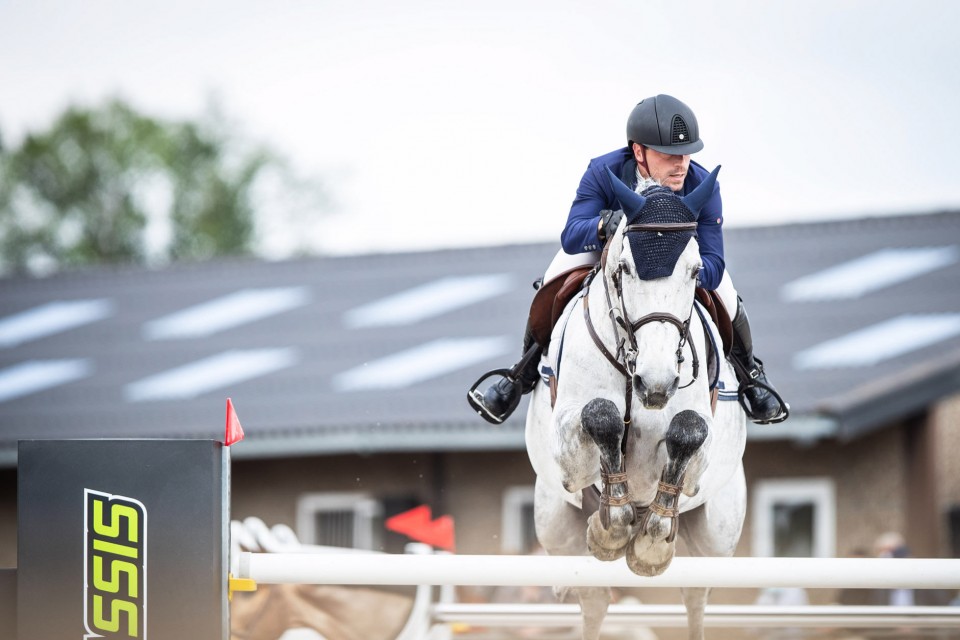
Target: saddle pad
{"x": 552, "y": 355}
{"x": 714, "y": 306}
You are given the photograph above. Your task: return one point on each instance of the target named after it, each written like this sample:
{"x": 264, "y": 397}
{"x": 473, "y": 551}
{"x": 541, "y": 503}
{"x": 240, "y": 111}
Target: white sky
{"x": 455, "y": 123}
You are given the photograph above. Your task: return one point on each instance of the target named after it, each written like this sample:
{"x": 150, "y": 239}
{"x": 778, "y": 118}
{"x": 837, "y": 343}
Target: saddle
{"x": 550, "y": 300}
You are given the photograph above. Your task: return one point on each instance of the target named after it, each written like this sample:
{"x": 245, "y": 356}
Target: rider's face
{"x": 668, "y": 170}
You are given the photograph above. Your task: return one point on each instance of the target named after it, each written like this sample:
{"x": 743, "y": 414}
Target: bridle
{"x": 625, "y": 358}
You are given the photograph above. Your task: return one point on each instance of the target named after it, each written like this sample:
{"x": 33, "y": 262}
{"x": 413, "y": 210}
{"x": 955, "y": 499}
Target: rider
{"x": 662, "y": 132}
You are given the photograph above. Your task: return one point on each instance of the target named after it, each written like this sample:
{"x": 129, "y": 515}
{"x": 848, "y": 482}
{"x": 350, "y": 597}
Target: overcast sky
{"x": 452, "y": 123}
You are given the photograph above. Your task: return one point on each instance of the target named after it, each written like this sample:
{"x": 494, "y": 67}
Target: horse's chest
{"x": 645, "y": 458}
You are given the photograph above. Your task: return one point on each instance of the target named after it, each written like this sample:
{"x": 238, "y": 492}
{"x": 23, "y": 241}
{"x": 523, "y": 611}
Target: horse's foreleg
{"x": 684, "y": 440}
{"x": 695, "y": 470}
{"x": 608, "y": 530}
{"x": 653, "y": 547}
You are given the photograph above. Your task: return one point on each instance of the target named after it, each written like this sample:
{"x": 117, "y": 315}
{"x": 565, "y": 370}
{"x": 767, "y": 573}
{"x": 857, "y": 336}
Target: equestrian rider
{"x": 662, "y": 132}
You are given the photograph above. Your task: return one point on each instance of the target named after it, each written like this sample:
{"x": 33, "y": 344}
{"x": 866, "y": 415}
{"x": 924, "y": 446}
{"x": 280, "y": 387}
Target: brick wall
{"x": 945, "y": 418}
{"x": 868, "y": 473}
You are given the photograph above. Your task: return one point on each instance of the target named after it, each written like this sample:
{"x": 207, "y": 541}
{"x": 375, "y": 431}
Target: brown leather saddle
{"x": 550, "y": 300}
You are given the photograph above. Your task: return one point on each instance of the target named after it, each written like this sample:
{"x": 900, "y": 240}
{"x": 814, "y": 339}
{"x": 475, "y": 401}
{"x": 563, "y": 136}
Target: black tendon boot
{"x": 501, "y": 398}
{"x": 757, "y": 396}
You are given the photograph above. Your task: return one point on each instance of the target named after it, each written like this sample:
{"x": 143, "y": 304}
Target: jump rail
{"x": 568, "y": 615}
{"x": 579, "y": 571}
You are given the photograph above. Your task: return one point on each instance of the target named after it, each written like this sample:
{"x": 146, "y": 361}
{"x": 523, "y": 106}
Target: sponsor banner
{"x": 122, "y": 539}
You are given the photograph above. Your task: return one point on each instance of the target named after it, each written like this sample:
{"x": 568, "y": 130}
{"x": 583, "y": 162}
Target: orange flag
{"x": 234, "y": 431}
{"x": 418, "y": 524}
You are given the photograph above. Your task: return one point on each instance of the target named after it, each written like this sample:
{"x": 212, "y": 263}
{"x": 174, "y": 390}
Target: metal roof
{"x": 858, "y": 323}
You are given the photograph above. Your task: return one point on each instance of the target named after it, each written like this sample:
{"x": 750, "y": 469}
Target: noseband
{"x": 626, "y": 358}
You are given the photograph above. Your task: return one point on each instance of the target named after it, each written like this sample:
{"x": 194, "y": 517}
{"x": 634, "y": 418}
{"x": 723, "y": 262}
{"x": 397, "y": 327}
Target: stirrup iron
{"x": 784, "y": 407}
{"x": 475, "y": 396}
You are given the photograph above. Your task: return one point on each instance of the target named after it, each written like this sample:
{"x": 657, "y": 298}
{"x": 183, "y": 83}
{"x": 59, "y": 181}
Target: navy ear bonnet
{"x": 655, "y": 253}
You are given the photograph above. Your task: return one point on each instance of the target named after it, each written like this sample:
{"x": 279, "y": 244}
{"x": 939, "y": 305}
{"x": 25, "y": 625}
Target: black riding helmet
{"x": 664, "y": 124}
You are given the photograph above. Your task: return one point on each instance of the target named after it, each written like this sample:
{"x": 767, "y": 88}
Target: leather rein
{"x": 627, "y": 355}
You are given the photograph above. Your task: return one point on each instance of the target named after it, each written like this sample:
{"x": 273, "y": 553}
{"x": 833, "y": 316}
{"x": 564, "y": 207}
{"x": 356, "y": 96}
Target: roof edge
{"x": 882, "y": 401}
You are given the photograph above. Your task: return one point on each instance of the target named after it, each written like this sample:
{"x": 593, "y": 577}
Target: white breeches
{"x": 564, "y": 261}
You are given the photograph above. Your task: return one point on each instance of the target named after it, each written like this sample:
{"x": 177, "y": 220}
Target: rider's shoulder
{"x": 697, "y": 171}
{"x": 613, "y": 159}
{"x": 696, "y": 174}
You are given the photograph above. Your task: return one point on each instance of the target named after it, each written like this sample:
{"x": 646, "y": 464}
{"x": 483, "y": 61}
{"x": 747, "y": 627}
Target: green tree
{"x": 111, "y": 185}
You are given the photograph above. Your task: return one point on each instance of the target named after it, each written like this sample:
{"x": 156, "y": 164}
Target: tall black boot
{"x": 757, "y": 396}
{"x": 501, "y": 398}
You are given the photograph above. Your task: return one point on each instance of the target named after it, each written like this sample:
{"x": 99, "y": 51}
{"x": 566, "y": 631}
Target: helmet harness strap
{"x": 642, "y": 161}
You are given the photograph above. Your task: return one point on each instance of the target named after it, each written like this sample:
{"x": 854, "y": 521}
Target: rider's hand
{"x": 609, "y": 221}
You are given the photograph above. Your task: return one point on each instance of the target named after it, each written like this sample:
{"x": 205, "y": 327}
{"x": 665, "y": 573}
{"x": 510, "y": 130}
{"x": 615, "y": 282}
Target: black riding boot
{"x": 763, "y": 404}
{"x": 501, "y": 399}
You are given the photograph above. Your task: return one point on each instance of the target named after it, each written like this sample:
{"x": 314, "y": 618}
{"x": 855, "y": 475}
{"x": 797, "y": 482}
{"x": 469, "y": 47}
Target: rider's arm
{"x": 710, "y": 238}
{"x": 580, "y": 233}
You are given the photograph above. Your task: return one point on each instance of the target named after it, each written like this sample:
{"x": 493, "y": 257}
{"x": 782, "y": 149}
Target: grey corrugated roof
{"x": 297, "y": 409}
{"x": 856, "y": 398}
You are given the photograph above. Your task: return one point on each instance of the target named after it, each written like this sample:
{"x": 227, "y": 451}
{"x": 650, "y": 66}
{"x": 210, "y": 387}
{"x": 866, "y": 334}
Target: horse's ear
{"x": 630, "y": 200}
{"x": 699, "y": 196}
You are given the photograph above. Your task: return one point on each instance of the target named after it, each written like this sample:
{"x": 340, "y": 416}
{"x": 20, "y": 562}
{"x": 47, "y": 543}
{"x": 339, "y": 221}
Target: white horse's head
{"x": 651, "y": 270}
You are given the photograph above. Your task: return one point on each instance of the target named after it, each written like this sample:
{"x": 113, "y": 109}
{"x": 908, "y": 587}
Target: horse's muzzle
{"x": 654, "y": 396}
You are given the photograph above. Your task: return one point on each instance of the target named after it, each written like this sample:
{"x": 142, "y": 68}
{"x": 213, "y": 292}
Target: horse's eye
{"x": 695, "y": 272}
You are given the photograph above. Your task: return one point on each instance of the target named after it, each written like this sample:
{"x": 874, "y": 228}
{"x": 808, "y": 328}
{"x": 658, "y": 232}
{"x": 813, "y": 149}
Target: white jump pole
{"x": 579, "y": 571}
{"x": 715, "y": 615}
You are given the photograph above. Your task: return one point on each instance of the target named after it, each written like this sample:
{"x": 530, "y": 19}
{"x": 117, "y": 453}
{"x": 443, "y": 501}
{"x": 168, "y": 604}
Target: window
{"x": 794, "y": 518}
{"x": 352, "y": 520}
{"x": 518, "y": 535}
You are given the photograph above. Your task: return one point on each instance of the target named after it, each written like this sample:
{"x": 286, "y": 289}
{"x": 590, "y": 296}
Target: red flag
{"x": 234, "y": 431}
{"x": 417, "y": 524}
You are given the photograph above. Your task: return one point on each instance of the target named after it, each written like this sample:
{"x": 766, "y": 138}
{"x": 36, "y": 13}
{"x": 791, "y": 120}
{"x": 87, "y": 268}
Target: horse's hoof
{"x": 605, "y": 555}
{"x": 603, "y": 544}
{"x": 661, "y": 551}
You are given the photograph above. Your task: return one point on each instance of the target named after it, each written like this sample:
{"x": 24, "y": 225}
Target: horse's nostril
{"x": 638, "y": 384}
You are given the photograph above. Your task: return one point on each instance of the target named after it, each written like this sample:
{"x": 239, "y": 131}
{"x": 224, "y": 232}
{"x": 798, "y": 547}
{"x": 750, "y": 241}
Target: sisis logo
{"x": 115, "y": 566}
